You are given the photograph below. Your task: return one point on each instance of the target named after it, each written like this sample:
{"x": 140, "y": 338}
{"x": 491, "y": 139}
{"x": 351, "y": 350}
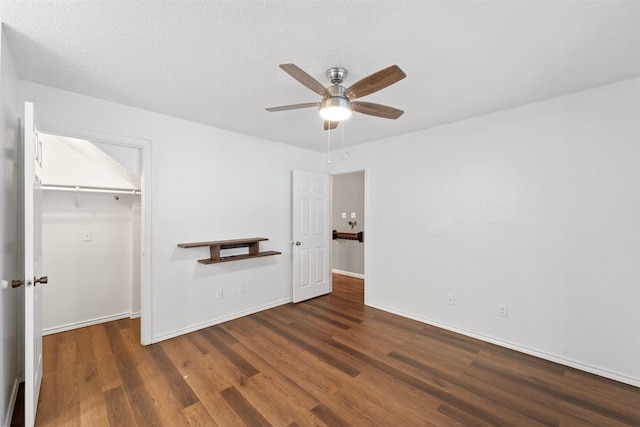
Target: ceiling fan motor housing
{"x": 336, "y": 75}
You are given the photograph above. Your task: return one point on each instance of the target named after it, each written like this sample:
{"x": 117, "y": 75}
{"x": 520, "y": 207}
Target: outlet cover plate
{"x": 502, "y": 310}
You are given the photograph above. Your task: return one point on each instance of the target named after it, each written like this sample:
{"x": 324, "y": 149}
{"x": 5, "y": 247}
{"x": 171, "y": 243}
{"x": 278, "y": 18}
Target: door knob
{"x": 43, "y": 280}
{"x": 298, "y": 243}
{"x": 17, "y": 283}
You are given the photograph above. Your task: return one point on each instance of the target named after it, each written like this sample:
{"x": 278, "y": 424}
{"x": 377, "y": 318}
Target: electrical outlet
{"x": 502, "y": 310}
{"x": 451, "y": 300}
{"x": 86, "y": 236}
{"x": 219, "y": 293}
{"x": 241, "y": 288}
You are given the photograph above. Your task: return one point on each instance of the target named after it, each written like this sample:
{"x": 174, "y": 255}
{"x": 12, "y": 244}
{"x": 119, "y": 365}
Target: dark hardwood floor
{"x": 328, "y": 361}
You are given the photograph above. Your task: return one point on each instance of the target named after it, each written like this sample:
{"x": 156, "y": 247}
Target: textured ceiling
{"x": 216, "y": 62}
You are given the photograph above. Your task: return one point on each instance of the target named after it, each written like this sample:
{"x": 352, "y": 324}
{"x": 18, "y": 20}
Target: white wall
{"x": 89, "y": 281}
{"x": 10, "y": 299}
{"x": 348, "y": 198}
{"x": 536, "y": 207}
{"x": 208, "y": 184}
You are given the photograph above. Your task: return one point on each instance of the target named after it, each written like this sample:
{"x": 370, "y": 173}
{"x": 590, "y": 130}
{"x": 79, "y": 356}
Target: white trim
{"x": 222, "y": 319}
{"x": 146, "y": 307}
{"x": 550, "y": 357}
{"x": 135, "y": 315}
{"x": 347, "y": 171}
{"x": 92, "y": 135}
{"x": 348, "y": 273}
{"x": 12, "y": 402}
{"x": 85, "y": 323}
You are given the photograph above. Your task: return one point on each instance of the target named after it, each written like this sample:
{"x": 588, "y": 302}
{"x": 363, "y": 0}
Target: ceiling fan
{"x": 339, "y": 102}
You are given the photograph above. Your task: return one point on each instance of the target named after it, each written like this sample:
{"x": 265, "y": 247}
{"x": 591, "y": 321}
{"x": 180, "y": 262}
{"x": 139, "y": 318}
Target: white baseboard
{"x": 348, "y": 273}
{"x": 223, "y": 319}
{"x": 89, "y": 322}
{"x": 135, "y": 315}
{"x": 551, "y": 357}
{"x": 12, "y": 402}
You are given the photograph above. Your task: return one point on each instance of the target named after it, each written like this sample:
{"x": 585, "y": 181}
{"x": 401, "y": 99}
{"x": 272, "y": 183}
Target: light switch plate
{"x": 344, "y": 214}
{"x": 353, "y": 215}
{"x": 86, "y": 236}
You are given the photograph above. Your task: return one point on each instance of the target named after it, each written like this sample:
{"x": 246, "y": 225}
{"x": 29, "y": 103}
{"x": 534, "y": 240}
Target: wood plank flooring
{"x": 328, "y": 361}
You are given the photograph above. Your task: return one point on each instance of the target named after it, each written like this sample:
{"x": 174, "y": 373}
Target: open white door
{"x": 32, "y": 265}
{"x": 311, "y": 235}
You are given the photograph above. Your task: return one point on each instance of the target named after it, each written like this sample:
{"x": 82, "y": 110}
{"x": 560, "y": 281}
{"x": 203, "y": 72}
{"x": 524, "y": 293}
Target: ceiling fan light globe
{"x": 335, "y": 109}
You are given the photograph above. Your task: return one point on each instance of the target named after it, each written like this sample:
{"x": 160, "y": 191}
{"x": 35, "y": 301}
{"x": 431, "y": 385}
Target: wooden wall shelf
{"x": 348, "y": 236}
{"x": 253, "y": 244}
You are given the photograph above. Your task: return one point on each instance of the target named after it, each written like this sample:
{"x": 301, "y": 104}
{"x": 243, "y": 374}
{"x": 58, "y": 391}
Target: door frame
{"x": 367, "y": 216}
{"x": 144, "y": 145}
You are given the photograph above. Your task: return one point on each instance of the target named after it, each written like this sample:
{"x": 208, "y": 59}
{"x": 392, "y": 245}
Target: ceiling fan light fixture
{"x": 335, "y": 109}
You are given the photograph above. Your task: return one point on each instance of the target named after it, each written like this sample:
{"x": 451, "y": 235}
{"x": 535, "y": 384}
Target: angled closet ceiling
{"x": 72, "y": 162}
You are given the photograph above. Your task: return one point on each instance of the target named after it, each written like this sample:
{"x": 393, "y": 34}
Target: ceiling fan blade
{"x": 304, "y": 78}
{"x": 293, "y": 106}
{"x": 330, "y": 125}
{"x": 377, "y": 110}
{"x": 375, "y": 82}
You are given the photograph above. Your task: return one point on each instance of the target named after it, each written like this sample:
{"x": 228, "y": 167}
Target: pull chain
{"x": 329, "y": 145}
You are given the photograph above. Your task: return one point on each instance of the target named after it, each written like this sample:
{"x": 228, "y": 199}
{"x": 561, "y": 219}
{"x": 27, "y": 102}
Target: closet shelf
{"x": 253, "y": 245}
{"x": 348, "y": 236}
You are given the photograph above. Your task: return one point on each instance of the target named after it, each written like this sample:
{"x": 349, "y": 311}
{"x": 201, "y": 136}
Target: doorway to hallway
{"x": 348, "y": 223}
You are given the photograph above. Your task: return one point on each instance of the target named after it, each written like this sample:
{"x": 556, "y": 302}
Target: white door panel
{"x": 305, "y": 210}
{"x": 32, "y": 263}
{"x": 311, "y": 235}
{"x": 304, "y": 268}
{"x": 321, "y": 259}
{"x": 321, "y": 217}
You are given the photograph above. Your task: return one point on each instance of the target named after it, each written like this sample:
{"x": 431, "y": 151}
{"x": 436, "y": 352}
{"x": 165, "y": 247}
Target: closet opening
{"x": 91, "y": 232}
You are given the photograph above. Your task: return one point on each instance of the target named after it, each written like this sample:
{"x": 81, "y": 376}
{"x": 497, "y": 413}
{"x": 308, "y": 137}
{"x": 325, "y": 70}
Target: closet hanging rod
{"x": 91, "y": 189}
